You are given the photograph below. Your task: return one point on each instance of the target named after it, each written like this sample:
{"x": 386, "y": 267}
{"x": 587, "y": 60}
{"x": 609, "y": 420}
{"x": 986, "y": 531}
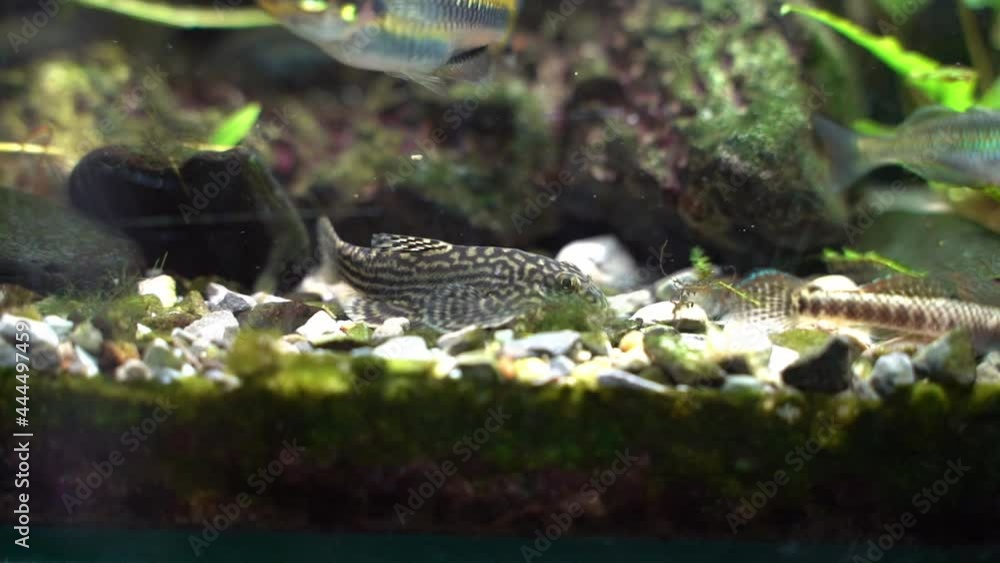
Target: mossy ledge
{"x": 368, "y": 442}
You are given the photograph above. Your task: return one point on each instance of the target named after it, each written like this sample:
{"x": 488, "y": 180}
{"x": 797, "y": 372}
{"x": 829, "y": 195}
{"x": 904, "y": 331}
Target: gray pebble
{"x": 404, "y": 348}
{"x": 891, "y": 372}
{"x": 219, "y": 328}
{"x": 618, "y": 378}
{"x": 221, "y": 298}
{"x": 391, "y": 328}
{"x": 546, "y": 343}
{"x": 133, "y": 370}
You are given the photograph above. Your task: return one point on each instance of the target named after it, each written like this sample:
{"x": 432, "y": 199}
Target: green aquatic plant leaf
{"x": 980, "y": 4}
{"x": 701, "y": 263}
{"x": 236, "y": 127}
{"x": 950, "y": 86}
{"x": 190, "y": 17}
{"x": 848, "y": 255}
{"x": 872, "y": 128}
{"x": 991, "y": 97}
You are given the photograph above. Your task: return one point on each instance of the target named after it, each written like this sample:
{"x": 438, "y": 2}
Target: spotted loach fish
{"x": 427, "y": 41}
{"x": 901, "y": 304}
{"x": 936, "y": 143}
{"x": 445, "y": 286}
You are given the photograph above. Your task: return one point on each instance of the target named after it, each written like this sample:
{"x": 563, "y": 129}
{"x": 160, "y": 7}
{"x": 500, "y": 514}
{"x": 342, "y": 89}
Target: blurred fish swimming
{"x": 903, "y": 304}
{"x": 938, "y": 144}
{"x": 428, "y": 41}
{"x": 444, "y": 286}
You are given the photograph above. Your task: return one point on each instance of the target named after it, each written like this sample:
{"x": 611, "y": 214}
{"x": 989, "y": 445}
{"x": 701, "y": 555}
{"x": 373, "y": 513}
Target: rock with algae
{"x": 48, "y": 247}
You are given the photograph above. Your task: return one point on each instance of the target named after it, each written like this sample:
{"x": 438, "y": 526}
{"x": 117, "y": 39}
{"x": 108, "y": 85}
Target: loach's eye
{"x": 569, "y": 283}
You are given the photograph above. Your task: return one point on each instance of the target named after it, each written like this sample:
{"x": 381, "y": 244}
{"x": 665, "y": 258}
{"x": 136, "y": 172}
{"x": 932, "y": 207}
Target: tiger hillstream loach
{"x": 445, "y": 286}
{"x": 900, "y": 303}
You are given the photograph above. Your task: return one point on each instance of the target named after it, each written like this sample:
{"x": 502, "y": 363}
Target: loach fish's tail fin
{"x": 764, "y": 299}
{"x": 327, "y": 243}
{"x": 847, "y": 162}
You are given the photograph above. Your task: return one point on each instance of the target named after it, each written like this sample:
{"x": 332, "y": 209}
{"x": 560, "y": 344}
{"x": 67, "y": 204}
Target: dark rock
{"x": 221, "y": 298}
{"x": 45, "y": 247}
{"x": 949, "y": 360}
{"x": 826, "y": 370}
{"x": 222, "y": 215}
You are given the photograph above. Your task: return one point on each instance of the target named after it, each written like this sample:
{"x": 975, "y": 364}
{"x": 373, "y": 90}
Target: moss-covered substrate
{"x": 368, "y": 442}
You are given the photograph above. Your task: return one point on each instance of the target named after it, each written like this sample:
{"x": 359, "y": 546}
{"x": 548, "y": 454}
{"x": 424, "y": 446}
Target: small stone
{"x": 625, "y": 305}
{"x": 162, "y": 287}
{"x": 218, "y": 328}
{"x": 779, "y": 361}
{"x": 225, "y": 380}
{"x": 391, "y": 328}
{"x": 689, "y": 318}
{"x": 117, "y": 353}
{"x": 546, "y": 343}
{"x": 463, "y": 340}
{"x": 605, "y": 259}
{"x": 533, "y": 370}
{"x": 477, "y": 366}
{"x": 988, "y": 371}
{"x": 504, "y": 336}
{"x": 142, "y": 331}
{"x": 261, "y": 298}
{"x": 404, "y": 348}
{"x": 159, "y": 354}
{"x": 285, "y": 316}
{"x": 61, "y": 326}
{"x": 633, "y": 361}
{"x": 587, "y": 373}
{"x": 683, "y": 363}
{"x": 617, "y": 378}
{"x": 891, "y": 372}
{"x": 88, "y": 337}
{"x": 561, "y": 366}
{"x": 293, "y": 344}
{"x": 630, "y": 341}
{"x": 657, "y": 313}
{"x": 743, "y": 384}
{"x": 133, "y": 370}
{"x": 86, "y": 363}
{"x": 740, "y": 347}
{"x": 221, "y": 298}
{"x": 827, "y": 370}
{"x": 43, "y": 342}
{"x": 319, "y": 325}
{"x": 950, "y": 360}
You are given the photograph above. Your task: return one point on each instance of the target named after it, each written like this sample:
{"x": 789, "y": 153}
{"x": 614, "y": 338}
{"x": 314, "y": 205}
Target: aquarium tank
{"x": 492, "y": 281}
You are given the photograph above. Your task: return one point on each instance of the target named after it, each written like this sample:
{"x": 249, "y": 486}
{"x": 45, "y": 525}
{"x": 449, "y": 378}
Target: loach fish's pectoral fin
{"x": 764, "y": 299}
{"x": 434, "y": 83}
{"x": 457, "y": 306}
{"x": 361, "y": 308}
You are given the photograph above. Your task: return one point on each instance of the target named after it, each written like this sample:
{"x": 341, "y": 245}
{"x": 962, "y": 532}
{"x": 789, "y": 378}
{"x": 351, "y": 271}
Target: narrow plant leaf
{"x": 950, "y": 86}
{"x": 848, "y": 255}
{"x": 189, "y": 17}
{"x": 236, "y": 127}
